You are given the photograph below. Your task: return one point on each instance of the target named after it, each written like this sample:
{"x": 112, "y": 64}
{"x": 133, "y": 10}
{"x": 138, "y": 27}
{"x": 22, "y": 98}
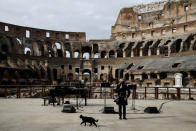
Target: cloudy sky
{"x": 95, "y": 17}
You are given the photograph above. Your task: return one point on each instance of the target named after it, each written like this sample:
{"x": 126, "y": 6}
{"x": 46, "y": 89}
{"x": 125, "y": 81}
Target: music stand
{"x": 105, "y": 108}
{"x": 105, "y": 85}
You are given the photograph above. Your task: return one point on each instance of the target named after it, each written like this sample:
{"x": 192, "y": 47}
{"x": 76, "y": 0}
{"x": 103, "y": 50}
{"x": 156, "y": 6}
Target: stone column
{"x": 158, "y": 76}
{"x": 149, "y": 52}
{"x": 80, "y": 54}
{"x": 158, "y": 51}
{"x": 181, "y": 46}
{"x": 141, "y": 51}
{"x": 132, "y": 53}
{"x": 169, "y": 50}
{"x": 148, "y": 76}
{"x": 72, "y": 54}
{"x": 107, "y": 54}
{"x": 115, "y": 53}
{"x": 124, "y": 54}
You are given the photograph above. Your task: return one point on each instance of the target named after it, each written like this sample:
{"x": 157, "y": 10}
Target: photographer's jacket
{"x": 123, "y": 93}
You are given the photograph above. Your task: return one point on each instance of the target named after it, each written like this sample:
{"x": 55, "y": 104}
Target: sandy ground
{"x": 31, "y": 115}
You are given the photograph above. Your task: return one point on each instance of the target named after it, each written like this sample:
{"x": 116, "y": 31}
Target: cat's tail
{"x": 96, "y": 120}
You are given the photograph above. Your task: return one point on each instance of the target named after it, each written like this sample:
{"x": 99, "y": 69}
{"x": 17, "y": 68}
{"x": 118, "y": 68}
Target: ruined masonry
{"x": 150, "y": 45}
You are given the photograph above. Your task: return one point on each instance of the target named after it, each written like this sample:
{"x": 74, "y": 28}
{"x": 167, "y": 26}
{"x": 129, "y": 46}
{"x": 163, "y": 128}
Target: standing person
{"x": 123, "y": 94}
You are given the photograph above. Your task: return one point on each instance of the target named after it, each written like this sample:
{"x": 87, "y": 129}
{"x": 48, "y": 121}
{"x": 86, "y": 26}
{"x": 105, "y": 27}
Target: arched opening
{"x": 67, "y": 54}
{"x": 165, "y": 51}
{"x": 58, "y": 45}
{"x": 137, "y": 48}
{"x": 187, "y": 43}
{"x": 132, "y": 77}
{"x": 27, "y": 51}
{"x": 59, "y": 49}
{"x": 70, "y": 76}
{"x": 121, "y": 73}
{"x": 76, "y": 54}
{"x": 119, "y": 53}
{"x": 193, "y": 74}
{"x": 163, "y": 75}
{"x": 95, "y": 51}
{"x": 184, "y": 74}
{"x": 144, "y": 76}
{"x": 155, "y": 47}
{"x": 164, "y": 48}
{"x": 153, "y": 76}
{"x": 103, "y": 54}
{"x": 175, "y": 48}
{"x": 86, "y": 56}
{"x": 121, "y": 46}
{"x": 128, "y": 49}
{"x": 126, "y": 76}
{"x": 86, "y": 75}
{"x": 146, "y": 48}
{"x": 86, "y": 51}
{"x": 111, "y": 54}
{"x": 117, "y": 74}
{"x": 185, "y": 79}
{"x": 96, "y": 55}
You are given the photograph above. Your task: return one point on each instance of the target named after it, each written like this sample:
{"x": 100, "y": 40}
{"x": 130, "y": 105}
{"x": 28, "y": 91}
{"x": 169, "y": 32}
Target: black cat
{"x": 90, "y": 120}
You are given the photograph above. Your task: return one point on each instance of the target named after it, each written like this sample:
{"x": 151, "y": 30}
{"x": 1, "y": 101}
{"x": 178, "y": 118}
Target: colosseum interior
{"x": 149, "y": 46}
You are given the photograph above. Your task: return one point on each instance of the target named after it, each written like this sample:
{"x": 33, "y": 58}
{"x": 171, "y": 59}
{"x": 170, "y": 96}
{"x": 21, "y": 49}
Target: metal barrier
{"x": 139, "y": 93}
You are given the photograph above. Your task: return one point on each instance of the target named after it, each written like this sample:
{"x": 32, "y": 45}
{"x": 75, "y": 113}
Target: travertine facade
{"x": 149, "y": 44}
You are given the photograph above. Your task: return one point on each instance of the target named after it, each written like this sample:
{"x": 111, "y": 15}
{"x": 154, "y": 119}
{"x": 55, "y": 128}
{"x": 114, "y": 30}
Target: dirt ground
{"x": 31, "y": 115}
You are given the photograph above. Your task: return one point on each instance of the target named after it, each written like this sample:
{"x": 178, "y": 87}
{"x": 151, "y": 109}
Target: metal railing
{"x": 95, "y": 88}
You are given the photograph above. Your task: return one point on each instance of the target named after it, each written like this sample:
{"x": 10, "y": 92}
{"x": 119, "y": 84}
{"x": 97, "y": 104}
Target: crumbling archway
{"x": 27, "y": 51}
{"x": 86, "y": 75}
{"x": 103, "y": 54}
{"x": 86, "y": 52}
{"x": 111, "y": 54}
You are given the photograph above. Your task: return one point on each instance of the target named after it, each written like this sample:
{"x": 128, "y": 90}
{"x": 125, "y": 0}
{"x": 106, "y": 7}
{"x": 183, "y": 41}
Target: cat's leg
{"x": 94, "y": 123}
{"x": 90, "y": 124}
{"x": 81, "y": 123}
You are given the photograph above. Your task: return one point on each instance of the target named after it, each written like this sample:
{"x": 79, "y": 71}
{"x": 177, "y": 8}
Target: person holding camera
{"x": 123, "y": 94}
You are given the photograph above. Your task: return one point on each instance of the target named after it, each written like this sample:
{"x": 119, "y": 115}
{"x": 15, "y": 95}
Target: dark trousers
{"x": 120, "y": 106}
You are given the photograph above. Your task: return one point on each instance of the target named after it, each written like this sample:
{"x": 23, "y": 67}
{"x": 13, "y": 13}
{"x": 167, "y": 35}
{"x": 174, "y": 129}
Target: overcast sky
{"x": 95, "y": 17}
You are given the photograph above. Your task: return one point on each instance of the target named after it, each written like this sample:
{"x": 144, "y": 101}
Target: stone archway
{"x": 86, "y": 75}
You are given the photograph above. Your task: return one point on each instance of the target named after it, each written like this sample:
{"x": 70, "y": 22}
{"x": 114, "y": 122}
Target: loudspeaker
{"x": 108, "y": 110}
{"x": 69, "y": 109}
{"x": 151, "y": 110}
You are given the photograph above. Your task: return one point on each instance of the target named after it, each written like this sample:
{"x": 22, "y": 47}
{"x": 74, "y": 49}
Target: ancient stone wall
{"x": 55, "y": 57}
{"x": 163, "y": 19}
